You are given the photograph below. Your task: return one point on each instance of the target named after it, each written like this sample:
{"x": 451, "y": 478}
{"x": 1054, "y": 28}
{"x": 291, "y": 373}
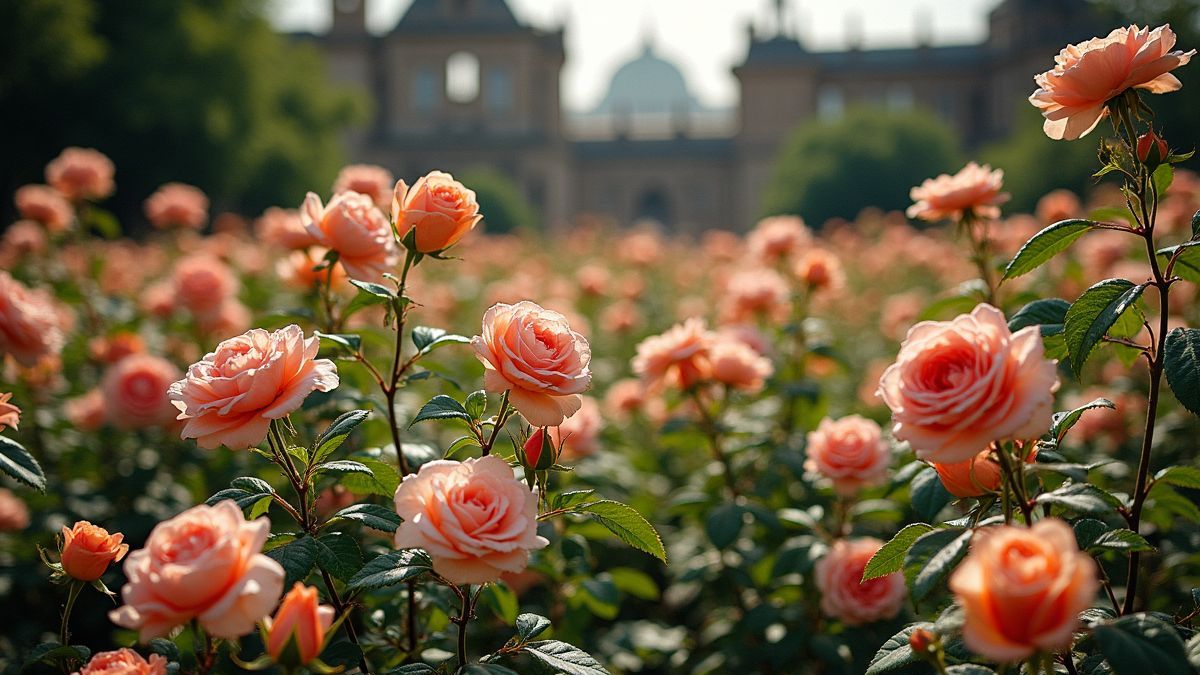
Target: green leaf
{"x": 928, "y": 495}
{"x": 378, "y": 290}
{"x": 1196, "y": 225}
{"x": 890, "y": 557}
{"x": 349, "y": 343}
{"x": 390, "y": 569}
{"x": 1094, "y": 313}
{"x": 570, "y": 498}
{"x": 1061, "y": 422}
{"x": 441, "y": 407}
{"x": 1180, "y": 476}
{"x": 383, "y": 479}
{"x": 1167, "y": 499}
{"x": 1182, "y": 366}
{"x": 16, "y": 461}
{"x": 601, "y": 596}
{"x": 628, "y": 525}
{"x": 1049, "y": 314}
{"x": 969, "y": 669}
{"x": 1162, "y": 177}
{"x": 476, "y": 404}
{"x": 368, "y": 294}
{"x": 414, "y": 669}
{"x": 724, "y": 524}
{"x": 374, "y": 516}
{"x": 297, "y": 558}
{"x": 338, "y": 554}
{"x": 1087, "y": 531}
{"x": 1080, "y": 498}
{"x": 1045, "y": 245}
{"x": 1139, "y": 644}
{"x": 503, "y": 601}
{"x": 428, "y": 339}
{"x": 345, "y": 466}
{"x": 564, "y": 658}
{"x": 243, "y": 499}
{"x": 530, "y": 626}
{"x": 485, "y": 669}
{"x": 896, "y": 652}
{"x": 333, "y": 437}
{"x": 1187, "y": 264}
{"x": 1121, "y": 540}
{"x": 252, "y": 485}
{"x": 931, "y": 558}
{"x": 635, "y": 582}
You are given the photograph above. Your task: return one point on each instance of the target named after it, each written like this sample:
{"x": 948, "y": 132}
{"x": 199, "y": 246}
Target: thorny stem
{"x": 980, "y": 252}
{"x": 399, "y": 366}
{"x": 1013, "y": 477}
{"x": 464, "y": 617}
{"x": 64, "y": 633}
{"x": 502, "y": 417}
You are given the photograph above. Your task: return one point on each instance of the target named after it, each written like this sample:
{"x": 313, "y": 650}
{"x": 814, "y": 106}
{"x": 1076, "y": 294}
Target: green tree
{"x": 1034, "y": 164}
{"x": 867, "y": 158}
{"x": 201, "y": 91}
{"x": 501, "y": 201}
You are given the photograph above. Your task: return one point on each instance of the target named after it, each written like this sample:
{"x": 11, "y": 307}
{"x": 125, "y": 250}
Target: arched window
{"x": 462, "y": 77}
{"x": 653, "y": 204}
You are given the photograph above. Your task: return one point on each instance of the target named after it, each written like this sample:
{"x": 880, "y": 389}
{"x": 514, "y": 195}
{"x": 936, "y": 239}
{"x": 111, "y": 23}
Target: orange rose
{"x": 124, "y": 661}
{"x": 849, "y": 451}
{"x": 678, "y": 357}
{"x": 1022, "y": 589}
{"x": 88, "y": 550}
{"x": 301, "y": 620}
{"x": 845, "y": 596}
{"x": 1074, "y": 95}
{"x": 135, "y": 391}
{"x": 360, "y": 233}
{"x": 974, "y": 189}
{"x": 439, "y": 208}
{"x": 970, "y": 478}
{"x": 81, "y": 173}
{"x": 10, "y": 414}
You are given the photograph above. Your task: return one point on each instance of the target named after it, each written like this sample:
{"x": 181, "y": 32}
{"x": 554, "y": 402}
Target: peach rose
{"x": 850, "y": 451}
{"x": 14, "y": 515}
{"x": 778, "y": 238}
{"x": 10, "y": 414}
{"x": 678, "y": 358}
{"x": 735, "y": 364}
{"x": 124, "y": 661}
{"x": 300, "y": 620}
{"x": 81, "y": 173}
{"x": 440, "y": 209}
{"x": 283, "y": 228}
{"x": 30, "y": 324}
{"x": 202, "y": 283}
{"x": 971, "y": 478}
{"x": 1058, "y": 205}
{"x": 1022, "y": 589}
{"x": 113, "y": 348}
{"x": 45, "y": 205}
{"x": 206, "y": 564}
{"x": 367, "y": 179}
{"x": 845, "y": 596}
{"x": 230, "y": 397}
{"x": 88, "y": 550}
{"x": 474, "y": 518}
{"x": 135, "y": 391}
{"x": 579, "y": 434}
{"x": 298, "y": 269}
{"x": 229, "y": 317}
{"x": 533, "y": 354}
{"x": 177, "y": 205}
{"x": 25, "y": 237}
{"x": 959, "y": 385}
{"x": 973, "y": 190}
{"x": 1074, "y": 95}
{"x": 88, "y": 412}
{"x": 360, "y": 233}
{"x": 820, "y": 270}
{"x": 756, "y": 294}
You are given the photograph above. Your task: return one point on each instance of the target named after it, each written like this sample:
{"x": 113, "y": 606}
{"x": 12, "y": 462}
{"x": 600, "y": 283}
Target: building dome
{"x": 648, "y": 84}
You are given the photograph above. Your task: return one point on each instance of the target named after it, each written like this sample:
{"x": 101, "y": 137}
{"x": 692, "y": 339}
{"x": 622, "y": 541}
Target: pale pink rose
{"x": 973, "y": 190}
{"x": 678, "y": 358}
{"x": 135, "y": 391}
{"x": 845, "y": 596}
{"x": 579, "y": 435}
{"x": 124, "y": 661}
{"x": 721, "y": 245}
{"x": 88, "y": 412}
{"x": 778, "y": 238}
{"x": 283, "y": 228}
{"x": 1022, "y": 589}
{"x": 474, "y": 518}
{"x": 158, "y": 299}
{"x": 820, "y": 270}
{"x": 10, "y": 415}
{"x": 748, "y": 335}
{"x": 899, "y": 313}
{"x": 756, "y": 294}
{"x": 624, "y": 399}
{"x": 1058, "y": 205}
{"x": 959, "y": 385}
{"x": 205, "y": 564}
{"x": 30, "y": 322}
{"x": 1074, "y": 95}
{"x": 203, "y": 283}
{"x": 230, "y": 397}
{"x": 14, "y": 515}
{"x": 440, "y": 209}
{"x": 45, "y": 205}
{"x": 593, "y": 279}
{"x": 351, "y": 225}
{"x": 177, "y": 205}
{"x": 736, "y": 365}
{"x": 621, "y": 317}
{"x": 643, "y": 247}
{"x": 367, "y": 179}
{"x": 533, "y": 354}
{"x": 81, "y": 173}
{"x": 849, "y": 451}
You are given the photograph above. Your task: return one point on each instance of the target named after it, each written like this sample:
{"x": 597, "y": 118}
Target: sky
{"x": 705, "y": 38}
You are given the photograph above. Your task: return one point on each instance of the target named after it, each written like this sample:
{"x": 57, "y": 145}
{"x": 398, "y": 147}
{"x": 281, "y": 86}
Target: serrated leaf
{"x": 564, "y": 658}
{"x": 338, "y": 554}
{"x": 344, "y": 466}
{"x": 1167, "y": 499}
{"x": 1122, "y": 540}
{"x": 969, "y": 669}
{"x": 724, "y": 524}
{"x": 414, "y": 669}
{"x": 628, "y": 525}
{"x": 426, "y": 339}
{"x": 570, "y": 498}
{"x": 441, "y": 407}
{"x": 382, "y": 480}
{"x": 1044, "y": 245}
{"x": 1182, "y": 366}
{"x": 1080, "y": 498}
{"x": 374, "y": 516}
{"x": 530, "y": 626}
{"x": 17, "y": 462}
{"x": 391, "y": 569}
{"x": 927, "y": 494}
{"x": 1139, "y": 644}
{"x": 345, "y": 341}
{"x": 333, "y": 437}
{"x": 1180, "y": 476}
{"x": 1162, "y": 177}
{"x": 252, "y": 485}
{"x": 931, "y": 558}
{"x": 476, "y": 404}
{"x": 1061, "y": 422}
{"x": 890, "y": 557}
{"x": 1087, "y": 531}
{"x": 243, "y": 499}
{"x": 1094, "y": 313}
{"x": 297, "y": 559}
{"x": 378, "y": 290}
{"x": 1049, "y": 314}
{"x": 1196, "y": 225}
{"x": 896, "y": 652}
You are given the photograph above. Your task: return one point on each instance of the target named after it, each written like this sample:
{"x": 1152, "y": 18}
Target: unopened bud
{"x": 922, "y": 640}
{"x": 1151, "y": 149}
{"x": 539, "y": 452}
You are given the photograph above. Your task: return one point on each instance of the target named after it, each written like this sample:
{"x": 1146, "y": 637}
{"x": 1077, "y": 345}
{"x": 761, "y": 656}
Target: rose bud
{"x": 922, "y": 640}
{"x": 88, "y": 550}
{"x": 300, "y": 621}
{"x": 437, "y": 210}
{"x": 539, "y": 452}
{"x": 1151, "y": 149}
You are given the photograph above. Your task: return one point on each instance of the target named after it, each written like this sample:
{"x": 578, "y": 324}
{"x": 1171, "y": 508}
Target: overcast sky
{"x": 705, "y": 38}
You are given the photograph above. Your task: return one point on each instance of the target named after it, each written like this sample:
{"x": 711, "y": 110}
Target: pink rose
{"x": 849, "y": 451}
{"x": 203, "y": 283}
{"x": 474, "y": 518}
{"x": 1074, "y": 95}
{"x": 14, "y": 515}
{"x": 1058, "y": 205}
{"x": 368, "y": 179}
{"x": 30, "y": 324}
{"x": 135, "y": 391}
{"x": 440, "y": 209}
{"x": 81, "y": 173}
{"x": 756, "y": 294}
{"x": 973, "y": 190}
{"x": 45, "y": 205}
{"x": 360, "y": 233}
{"x": 533, "y": 354}
{"x": 10, "y": 414}
{"x": 88, "y": 412}
{"x": 579, "y": 434}
{"x": 678, "y": 358}
{"x": 959, "y": 385}
{"x": 735, "y": 364}
{"x": 820, "y": 270}
{"x": 845, "y": 596}
{"x": 230, "y": 397}
{"x": 283, "y": 228}
{"x": 124, "y": 661}
{"x": 177, "y": 205}
{"x": 206, "y": 564}
{"x": 778, "y": 238}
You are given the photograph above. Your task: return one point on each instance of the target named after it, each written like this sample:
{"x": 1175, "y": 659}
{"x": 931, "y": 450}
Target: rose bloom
{"x": 756, "y": 294}
{"x": 203, "y": 283}
{"x": 124, "y": 661}
{"x": 177, "y": 205}
{"x": 45, "y": 205}
{"x": 973, "y": 190}
{"x": 113, "y": 348}
{"x": 30, "y": 324}
{"x": 778, "y": 238}
{"x": 1058, "y": 205}
{"x": 971, "y": 478}
{"x": 10, "y": 414}
{"x": 367, "y": 179}
{"x": 440, "y": 209}
{"x": 283, "y": 228}
{"x": 474, "y": 518}
{"x": 735, "y": 364}
{"x": 850, "y": 451}
{"x": 88, "y": 412}
{"x": 845, "y": 596}
{"x": 230, "y": 397}
{"x": 1022, "y": 588}
{"x": 88, "y": 550}
{"x": 579, "y": 434}
{"x": 1074, "y": 95}
{"x": 624, "y": 398}
{"x": 360, "y": 233}
{"x": 135, "y": 391}
{"x": 301, "y": 619}
{"x": 533, "y": 354}
{"x": 14, "y": 515}
{"x": 820, "y": 270}
{"x": 81, "y": 173}
{"x": 677, "y": 358}
{"x": 24, "y": 238}
{"x": 298, "y": 269}
{"x": 228, "y": 318}
{"x": 959, "y": 385}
